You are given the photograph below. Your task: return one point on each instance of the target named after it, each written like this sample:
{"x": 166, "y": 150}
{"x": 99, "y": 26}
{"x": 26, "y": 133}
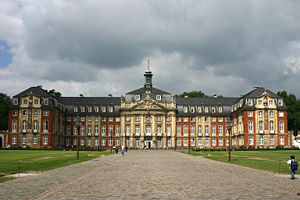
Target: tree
{"x": 293, "y": 111}
{"x": 4, "y": 106}
{"x": 192, "y": 94}
{"x": 55, "y": 93}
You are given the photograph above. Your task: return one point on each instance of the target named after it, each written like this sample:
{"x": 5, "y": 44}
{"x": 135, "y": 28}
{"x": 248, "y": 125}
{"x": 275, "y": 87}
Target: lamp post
{"x": 229, "y": 126}
{"x": 111, "y": 142}
{"x": 189, "y": 141}
{"x": 77, "y": 124}
{"x": 296, "y": 131}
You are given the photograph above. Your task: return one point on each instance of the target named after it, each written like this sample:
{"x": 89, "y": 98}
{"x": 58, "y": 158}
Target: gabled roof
{"x": 206, "y": 100}
{"x": 37, "y": 91}
{"x": 144, "y": 89}
{"x": 258, "y": 91}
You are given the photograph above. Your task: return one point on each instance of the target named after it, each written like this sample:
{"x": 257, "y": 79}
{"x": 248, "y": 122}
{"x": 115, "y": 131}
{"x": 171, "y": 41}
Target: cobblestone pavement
{"x": 152, "y": 175}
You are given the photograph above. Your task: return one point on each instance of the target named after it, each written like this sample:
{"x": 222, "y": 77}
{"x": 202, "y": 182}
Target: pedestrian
{"x": 117, "y": 149}
{"x": 122, "y": 150}
{"x": 293, "y": 166}
{"x": 126, "y": 148}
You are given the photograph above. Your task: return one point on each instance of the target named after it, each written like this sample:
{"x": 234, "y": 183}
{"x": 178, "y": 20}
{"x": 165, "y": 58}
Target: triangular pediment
{"x": 148, "y": 104}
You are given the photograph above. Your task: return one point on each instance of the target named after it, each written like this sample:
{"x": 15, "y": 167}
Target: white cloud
{"x": 101, "y": 47}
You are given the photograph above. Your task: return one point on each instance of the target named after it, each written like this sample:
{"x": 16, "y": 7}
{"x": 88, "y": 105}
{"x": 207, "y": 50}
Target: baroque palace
{"x": 147, "y": 118}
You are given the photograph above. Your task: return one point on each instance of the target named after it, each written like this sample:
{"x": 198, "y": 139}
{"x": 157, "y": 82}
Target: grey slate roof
{"x": 144, "y": 89}
{"x": 257, "y": 92}
{"x": 210, "y": 101}
{"x": 37, "y": 91}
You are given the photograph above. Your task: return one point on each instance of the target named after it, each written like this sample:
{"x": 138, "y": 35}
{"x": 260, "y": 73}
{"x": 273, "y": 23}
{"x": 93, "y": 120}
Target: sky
{"x": 99, "y": 47}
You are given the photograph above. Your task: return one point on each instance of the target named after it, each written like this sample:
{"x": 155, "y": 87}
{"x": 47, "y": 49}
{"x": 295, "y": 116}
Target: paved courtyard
{"x": 152, "y": 175}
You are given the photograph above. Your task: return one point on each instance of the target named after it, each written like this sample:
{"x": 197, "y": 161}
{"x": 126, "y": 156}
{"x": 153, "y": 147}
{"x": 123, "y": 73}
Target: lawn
{"x": 271, "y": 160}
{"x": 15, "y": 161}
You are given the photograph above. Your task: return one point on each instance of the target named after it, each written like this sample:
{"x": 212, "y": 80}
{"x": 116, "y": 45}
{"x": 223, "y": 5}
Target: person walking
{"x": 122, "y": 150}
{"x": 293, "y": 166}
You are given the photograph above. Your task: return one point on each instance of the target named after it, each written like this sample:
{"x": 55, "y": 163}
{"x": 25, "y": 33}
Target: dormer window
{"x": 82, "y": 109}
{"x": 250, "y": 102}
{"x": 46, "y": 101}
{"x": 90, "y": 109}
{"x": 158, "y": 97}
{"x": 185, "y": 109}
{"x": 280, "y": 102}
{"x": 192, "y": 109}
{"x": 103, "y": 108}
{"x": 137, "y": 97}
{"x": 75, "y": 109}
{"x": 206, "y": 109}
{"x": 271, "y": 102}
{"x": 36, "y": 101}
{"x": 259, "y": 102}
{"x": 110, "y": 109}
{"x": 199, "y": 109}
{"x": 25, "y": 101}
{"x": 213, "y": 109}
{"x": 15, "y": 101}
{"x": 96, "y": 108}
{"x": 220, "y": 109}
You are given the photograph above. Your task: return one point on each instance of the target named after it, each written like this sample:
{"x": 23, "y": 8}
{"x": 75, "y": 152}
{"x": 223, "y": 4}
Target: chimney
{"x": 40, "y": 86}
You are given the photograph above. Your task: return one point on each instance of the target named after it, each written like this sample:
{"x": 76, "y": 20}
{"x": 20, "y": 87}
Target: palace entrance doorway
{"x": 148, "y": 144}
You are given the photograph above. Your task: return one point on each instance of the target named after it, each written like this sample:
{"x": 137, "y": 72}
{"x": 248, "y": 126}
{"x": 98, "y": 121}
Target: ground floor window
{"x": 14, "y": 140}
{"x": 199, "y": 142}
{"x": 89, "y": 142}
{"x": 117, "y": 142}
{"x": 178, "y": 142}
{"x": 75, "y": 141}
{"x": 127, "y": 142}
{"x": 34, "y": 139}
{"x": 68, "y": 141}
{"x": 45, "y": 140}
{"x": 137, "y": 143}
{"x": 96, "y": 142}
{"x": 272, "y": 140}
{"x": 103, "y": 143}
{"x": 281, "y": 140}
{"x": 82, "y": 142}
{"x": 193, "y": 142}
{"x": 220, "y": 142}
{"x": 213, "y": 142}
{"x": 207, "y": 142}
{"x": 158, "y": 143}
{"x": 261, "y": 140}
{"x": 227, "y": 142}
{"x": 23, "y": 139}
{"x": 250, "y": 140}
{"x": 185, "y": 142}
{"x": 168, "y": 142}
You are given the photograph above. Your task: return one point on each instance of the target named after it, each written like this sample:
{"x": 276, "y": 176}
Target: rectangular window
{"x": 23, "y": 139}
{"x": 250, "y": 140}
{"x": 82, "y": 119}
{"x": 110, "y": 119}
{"x": 103, "y": 129}
{"x": 89, "y": 118}
{"x": 137, "y": 129}
{"x": 14, "y": 140}
{"x": 110, "y": 109}
{"x": 213, "y": 129}
{"x": 89, "y": 143}
{"x": 127, "y": 118}
{"x": 271, "y": 113}
{"x": 281, "y": 126}
{"x": 148, "y": 130}
{"x": 193, "y": 142}
{"x": 271, "y": 126}
{"x": 75, "y": 141}
{"x": 250, "y": 114}
{"x": 14, "y": 125}
{"x": 250, "y": 126}
{"x": 159, "y": 129}
{"x": 185, "y": 119}
{"x": 24, "y": 112}
{"x": 192, "y": 119}
{"x": 34, "y": 140}
{"x": 206, "y": 130}
{"x": 261, "y": 126}
{"x": 82, "y": 142}
{"x": 220, "y": 142}
{"x": 199, "y": 130}
{"x": 259, "y": 102}
{"x": 178, "y": 119}
{"x": 45, "y": 125}
{"x": 103, "y": 143}
{"x": 192, "y": 129}
{"x": 137, "y": 97}
{"x": 281, "y": 114}
{"x": 15, "y": 113}
{"x": 104, "y": 119}
{"x": 75, "y": 109}
{"x": 168, "y": 118}
{"x": 159, "y": 118}
{"x": 213, "y": 142}
{"x": 89, "y": 129}
{"x": 96, "y": 110}
{"x": 127, "y": 129}
{"x": 75, "y": 130}
{"x": 15, "y": 101}
{"x": 82, "y": 130}
{"x": 206, "y": 119}
{"x": 178, "y": 129}
{"x": 45, "y": 140}
{"x": 213, "y": 119}
{"x": 117, "y": 119}
{"x": 178, "y": 142}
{"x": 272, "y": 140}
{"x": 261, "y": 140}
{"x": 271, "y": 102}
{"x": 185, "y": 142}
{"x": 82, "y": 108}
{"x": 168, "y": 130}
{"x": 117, "y": 129}
{"x": 207, "y": 142}
{"x": 199, "y": 119}
{"x": 199, "y": 142}
{"x": 103, "y": 108}
{"x": 90, "y": 109}
{"x": 96, "y": 142}
{"x": 220, "y": 119}
{"x": 96, "y": 130}
{"x": 220, "y": 129}
{"x": 260, "y": 113}
{"x": 137, "y": 118}
{"x": 185, "y": 129}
